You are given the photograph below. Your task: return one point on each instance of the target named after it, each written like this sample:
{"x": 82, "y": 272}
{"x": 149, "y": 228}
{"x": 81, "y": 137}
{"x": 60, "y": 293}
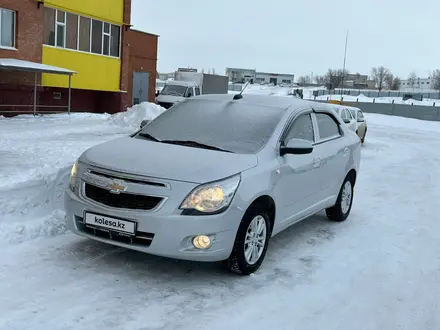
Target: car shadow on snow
{"x": 292, "y": 254}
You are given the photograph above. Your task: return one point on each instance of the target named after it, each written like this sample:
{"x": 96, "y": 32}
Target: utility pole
{"x": 345, "y": 57}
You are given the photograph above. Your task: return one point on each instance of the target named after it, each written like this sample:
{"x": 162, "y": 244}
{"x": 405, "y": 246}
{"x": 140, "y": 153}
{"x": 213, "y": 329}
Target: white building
{"x": 420, "y": 85}
{"x": 244, "y": 75}
{"x": 240, "y": 75}
{"x": 274, "y": 78}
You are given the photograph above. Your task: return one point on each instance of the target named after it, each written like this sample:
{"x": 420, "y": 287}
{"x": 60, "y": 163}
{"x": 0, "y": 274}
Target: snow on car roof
{"x": 266, "y": 100}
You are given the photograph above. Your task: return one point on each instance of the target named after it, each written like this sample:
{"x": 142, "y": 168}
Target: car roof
{"x": 281, "y": 102}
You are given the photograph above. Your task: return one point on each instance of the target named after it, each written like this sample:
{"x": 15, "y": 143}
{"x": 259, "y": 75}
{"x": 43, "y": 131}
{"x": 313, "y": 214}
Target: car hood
{"x": 166, "y": 161}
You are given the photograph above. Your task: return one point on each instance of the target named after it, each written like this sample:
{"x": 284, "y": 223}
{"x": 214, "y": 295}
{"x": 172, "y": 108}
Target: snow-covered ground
{"x": 308, "y": 94}
{"x": 378, "y": 270}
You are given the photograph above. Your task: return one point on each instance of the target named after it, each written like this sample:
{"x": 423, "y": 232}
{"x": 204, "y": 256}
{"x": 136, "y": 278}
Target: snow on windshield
{"x": 233, "y": 126}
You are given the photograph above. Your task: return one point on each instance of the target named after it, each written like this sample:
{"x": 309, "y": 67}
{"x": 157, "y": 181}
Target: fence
{"x": 372, "y": 93}
{"x": 401, "y": 110}
{"x": 235, "y": 87}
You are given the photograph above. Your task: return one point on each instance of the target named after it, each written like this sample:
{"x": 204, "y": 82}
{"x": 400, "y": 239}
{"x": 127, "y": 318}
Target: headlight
{"x": 73, "y": 173}
{"x": 212, "y": 197}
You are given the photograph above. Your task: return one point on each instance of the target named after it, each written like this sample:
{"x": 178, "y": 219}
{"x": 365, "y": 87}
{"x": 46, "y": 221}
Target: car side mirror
{"x": 360, "y": 120}
{"x": 296, "y": 147}
{"x": 347, "y": 121}
{"x": 144, "y": 122}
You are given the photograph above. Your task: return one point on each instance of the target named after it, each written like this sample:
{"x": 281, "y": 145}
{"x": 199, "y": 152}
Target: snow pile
{"x": 133, "y": 117}
{"x": 33, "y": 209}
{"x": 36, "y": 155}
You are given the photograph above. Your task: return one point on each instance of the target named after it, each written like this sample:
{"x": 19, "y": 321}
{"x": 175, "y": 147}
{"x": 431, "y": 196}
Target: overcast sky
{"x": 293, "y": 36}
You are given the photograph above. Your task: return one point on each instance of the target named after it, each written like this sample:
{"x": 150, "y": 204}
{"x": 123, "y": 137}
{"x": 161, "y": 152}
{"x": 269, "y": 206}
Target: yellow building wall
{"x": 109, "y": 10}
{"x": 94, "y": 72}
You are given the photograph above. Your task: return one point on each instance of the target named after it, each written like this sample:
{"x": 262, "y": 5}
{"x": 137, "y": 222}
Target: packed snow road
{"x": 378, "y": 270}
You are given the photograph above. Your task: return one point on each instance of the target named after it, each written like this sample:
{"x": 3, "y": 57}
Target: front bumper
{"x": 167, "y": 235}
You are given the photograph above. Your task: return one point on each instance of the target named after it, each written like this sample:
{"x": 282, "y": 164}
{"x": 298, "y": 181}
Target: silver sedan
{"x": 215, "y": 177}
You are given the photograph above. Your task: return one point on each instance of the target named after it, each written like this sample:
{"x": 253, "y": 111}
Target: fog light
{"x": 202, "y": 242}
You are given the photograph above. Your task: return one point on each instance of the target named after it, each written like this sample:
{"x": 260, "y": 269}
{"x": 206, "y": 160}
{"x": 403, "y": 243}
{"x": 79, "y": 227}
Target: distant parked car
{"x": 215, "y": 177}
{"x": 353, "y": 118}
{"x": 361, "y": 128}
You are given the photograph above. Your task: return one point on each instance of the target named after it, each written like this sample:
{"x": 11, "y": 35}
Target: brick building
{"x": 114, "y": 65}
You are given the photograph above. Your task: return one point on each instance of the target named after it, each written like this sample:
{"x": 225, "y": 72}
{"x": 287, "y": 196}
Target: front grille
{"x": 122, "y": 200}
{"x": 140, "y": 238}
{"x": 148, "y": 183}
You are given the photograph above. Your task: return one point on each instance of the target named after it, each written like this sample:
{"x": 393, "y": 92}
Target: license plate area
{"x": 110, "y": 224}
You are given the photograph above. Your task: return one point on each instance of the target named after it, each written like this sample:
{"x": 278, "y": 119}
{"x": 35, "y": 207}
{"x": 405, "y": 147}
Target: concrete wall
{"x": 401, "y": 110}
{"x": 427, "y": 94}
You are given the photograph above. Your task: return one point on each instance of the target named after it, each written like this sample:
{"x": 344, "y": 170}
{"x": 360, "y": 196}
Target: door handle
{"x": 316, "y": 162}
{"x": 346, "y": 150}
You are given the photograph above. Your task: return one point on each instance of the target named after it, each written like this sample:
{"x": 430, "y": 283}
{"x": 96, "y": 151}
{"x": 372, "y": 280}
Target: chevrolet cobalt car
{"x": 215, "y": 177}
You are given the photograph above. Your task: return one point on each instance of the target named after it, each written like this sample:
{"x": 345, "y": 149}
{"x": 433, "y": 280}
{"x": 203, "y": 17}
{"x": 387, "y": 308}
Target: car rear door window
{"x": 302, "y": 128}
{"x": 327, "y": 126}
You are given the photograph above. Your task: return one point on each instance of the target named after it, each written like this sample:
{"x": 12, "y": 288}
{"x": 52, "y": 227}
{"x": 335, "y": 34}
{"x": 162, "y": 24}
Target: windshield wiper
{"x": 195, "y": 144}
{"x": 149, "y": 137}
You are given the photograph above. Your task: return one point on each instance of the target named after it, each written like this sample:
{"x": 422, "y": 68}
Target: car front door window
{"x": 302, "y": 128}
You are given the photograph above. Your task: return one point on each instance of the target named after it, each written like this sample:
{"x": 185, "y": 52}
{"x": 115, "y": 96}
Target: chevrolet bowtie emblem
{"x": 116, "y": 188}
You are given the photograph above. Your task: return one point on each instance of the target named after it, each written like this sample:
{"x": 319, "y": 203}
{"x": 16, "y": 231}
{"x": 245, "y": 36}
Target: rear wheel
{"x": 340, "y": 211}
{"x": 251, "y": 242}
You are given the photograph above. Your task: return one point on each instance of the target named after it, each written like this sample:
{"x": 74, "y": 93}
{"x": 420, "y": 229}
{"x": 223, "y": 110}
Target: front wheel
{"x": 340, "y": 211}
{"x": 251, "y": 242}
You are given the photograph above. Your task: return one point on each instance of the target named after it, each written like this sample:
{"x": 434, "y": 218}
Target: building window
{"x": 60, "y": 30}
{"x": 67, "y": 30}
{"x": 114, "y": 40}
{"x": 7, "y": 28}
{"x": 84, "y": 34}
{"x": 49, "y": 26}
{"x": 96, "y": 37}
{"x": 106, "y": 39}
{"x": 72, "y": 31}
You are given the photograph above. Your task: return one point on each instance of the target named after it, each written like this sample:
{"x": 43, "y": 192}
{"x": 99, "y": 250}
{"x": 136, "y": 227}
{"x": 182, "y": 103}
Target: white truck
{"x": 188, "y": 84}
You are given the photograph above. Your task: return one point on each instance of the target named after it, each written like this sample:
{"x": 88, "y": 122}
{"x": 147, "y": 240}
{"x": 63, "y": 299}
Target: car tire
{"x": 341, "y": 210}
{"x": 240, "y": 262}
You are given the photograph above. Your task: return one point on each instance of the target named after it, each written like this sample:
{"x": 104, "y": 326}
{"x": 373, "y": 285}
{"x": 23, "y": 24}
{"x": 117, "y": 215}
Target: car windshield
{"x": 231, "y": 126}
{"x": 174, "y": 90}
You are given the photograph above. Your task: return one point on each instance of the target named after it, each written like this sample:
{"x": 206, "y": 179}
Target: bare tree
{"x": 335, "y": 77}
{"x": 303, "y": 80}
{"x": 321, "y": 80}
{"x": 379, "y": 75}
{"x": 436, "y": 79}
{"x": 395, "y": 86}
{"x": 389, "y": 80}
{"x": 412, "y": 78}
